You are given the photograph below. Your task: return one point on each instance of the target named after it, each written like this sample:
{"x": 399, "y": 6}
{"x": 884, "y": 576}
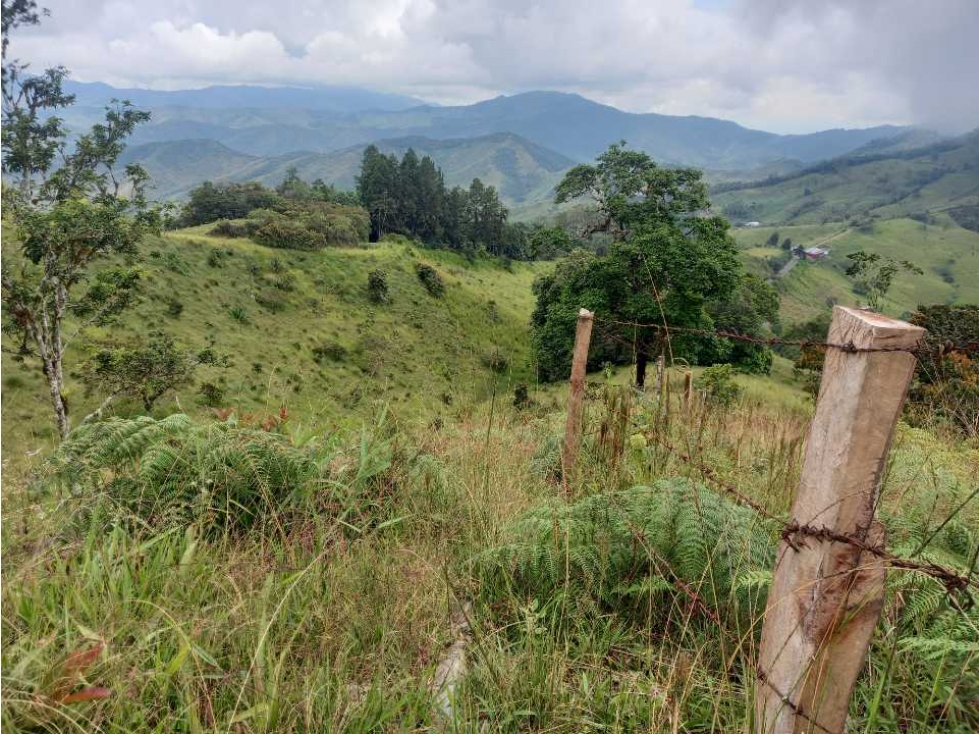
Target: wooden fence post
{"x": 687, "y": 390}
{"x": 579, "y": 362}
{"x": 826, "y": 596}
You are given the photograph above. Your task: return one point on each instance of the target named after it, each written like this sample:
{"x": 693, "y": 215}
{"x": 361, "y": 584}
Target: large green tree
{"x": 66, "y": 219}
{"x": 670, "y": 264}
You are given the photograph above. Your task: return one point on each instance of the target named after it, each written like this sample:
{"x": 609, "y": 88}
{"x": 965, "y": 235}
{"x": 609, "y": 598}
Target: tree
{"x": 144, "y": 370}
{"x": 67, "y": 220}
{"x": 669, "y": 263}
{"x": 874, "y": 274}
{"x": 628, "y": 189}
{"x": 773, "y": 240}
{"x": 547, "y": 243}
{"x": 377, "y": 186}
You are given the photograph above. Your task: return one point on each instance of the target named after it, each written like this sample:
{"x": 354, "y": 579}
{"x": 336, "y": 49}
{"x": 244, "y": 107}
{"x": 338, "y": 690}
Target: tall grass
{"x": 329, "y": 619}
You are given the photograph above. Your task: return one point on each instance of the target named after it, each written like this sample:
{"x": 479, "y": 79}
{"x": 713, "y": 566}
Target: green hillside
{"x": 885, "y": 183}
{"x": 297, "y": 329}
{"x": 520, "y": 170}
{"x": 948, "y": 254}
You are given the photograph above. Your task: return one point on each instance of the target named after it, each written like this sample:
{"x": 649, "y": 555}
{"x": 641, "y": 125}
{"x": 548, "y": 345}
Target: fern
{"x": 636, "y": 544}
{"x": 175, "y": 471}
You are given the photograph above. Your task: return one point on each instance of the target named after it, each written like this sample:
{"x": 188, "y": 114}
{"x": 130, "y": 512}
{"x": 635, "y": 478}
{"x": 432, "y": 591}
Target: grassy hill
{"x": 520, "y": 170}
{"x": 298, "y": 330}
{"x": 948, "y": 253}
{"x": 878, "y": 183}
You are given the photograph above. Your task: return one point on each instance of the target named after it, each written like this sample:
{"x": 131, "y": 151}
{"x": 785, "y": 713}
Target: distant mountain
{"x": 520, "y": 170}
{"x": 270, "y": 122}
{"x": 321, "y": 97}
{"x": 883, "y": 181}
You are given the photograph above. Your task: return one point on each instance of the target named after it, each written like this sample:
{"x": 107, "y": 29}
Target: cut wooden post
{"x": 660, "y": 373}
{"x": 826, "y": 596}
{"x": 687, "y": 390}
{"x": 579, "y": 363}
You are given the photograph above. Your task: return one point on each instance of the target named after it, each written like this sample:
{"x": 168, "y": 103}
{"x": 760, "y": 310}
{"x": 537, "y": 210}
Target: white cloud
{"x": 787, "y": 65}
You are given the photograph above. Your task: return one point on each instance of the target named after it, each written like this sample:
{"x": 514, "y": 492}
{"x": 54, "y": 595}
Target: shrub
{"x": 496, "y": 361}
{"x": 174, "y": 307}
{"x": 377, "y": 287}
{"x": 210, "y": 394}
{"x": 329, "y": 350}
{"x": 176, "y": 471}
{"x": 521, "y": 396}
{"x": 718, "y": 384}
{"x": 430, "y": 279}
{"x": 239, "y": 314}
{"x": 241, "y": 228}
{"x": 588, "y": 549}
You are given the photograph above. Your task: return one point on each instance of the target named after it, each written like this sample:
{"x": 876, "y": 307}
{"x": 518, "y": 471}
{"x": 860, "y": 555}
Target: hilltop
{"x": 519, "y": 169}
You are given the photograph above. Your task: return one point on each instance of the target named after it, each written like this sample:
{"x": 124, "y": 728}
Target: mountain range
{"x": 260, "y": 121}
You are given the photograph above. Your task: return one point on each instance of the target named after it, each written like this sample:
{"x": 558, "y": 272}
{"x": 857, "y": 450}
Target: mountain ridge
{"x": 569, "y": 124}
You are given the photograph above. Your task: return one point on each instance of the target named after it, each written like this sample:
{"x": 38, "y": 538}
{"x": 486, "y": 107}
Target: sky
{"x": 779, "y": 65}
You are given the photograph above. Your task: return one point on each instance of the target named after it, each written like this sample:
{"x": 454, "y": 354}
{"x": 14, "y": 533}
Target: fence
{"x": 827, "y": 591}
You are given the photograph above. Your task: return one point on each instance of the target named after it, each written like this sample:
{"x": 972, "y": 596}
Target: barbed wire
{"x": 968, "y": 348}
{"x": 952, "y": 580}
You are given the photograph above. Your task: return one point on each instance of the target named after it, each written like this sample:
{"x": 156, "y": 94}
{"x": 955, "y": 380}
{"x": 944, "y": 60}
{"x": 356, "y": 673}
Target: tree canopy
{"x": 671, "y": 263}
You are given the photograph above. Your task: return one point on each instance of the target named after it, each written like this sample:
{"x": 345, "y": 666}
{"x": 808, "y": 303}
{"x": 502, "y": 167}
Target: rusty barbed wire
{"x": 953, "y": 581}
{"x": 969, "y": 348}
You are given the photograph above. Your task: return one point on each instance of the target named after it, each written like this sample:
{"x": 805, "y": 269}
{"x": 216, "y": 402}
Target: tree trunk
{"x": 642, "y": 359}
{"x": 52, "y": 369}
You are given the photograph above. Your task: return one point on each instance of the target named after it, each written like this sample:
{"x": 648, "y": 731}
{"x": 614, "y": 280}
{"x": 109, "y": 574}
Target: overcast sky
{"x": 781, "y": 65}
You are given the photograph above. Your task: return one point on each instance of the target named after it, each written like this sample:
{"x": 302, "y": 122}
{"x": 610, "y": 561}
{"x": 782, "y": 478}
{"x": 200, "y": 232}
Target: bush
{"x": 175, "y": 471}
{"x": 377, "y": 287}
{"x": 174, "y": 307}
{"x": 271, "y": 300}
{"x": 718, "y": 384}
{"x": 329, "y": 350}
{"x": 241, "y": 228}
{"x": 210, "y": 394}
{"x": 496, "y": 361}
{"x": 430, "y": 279}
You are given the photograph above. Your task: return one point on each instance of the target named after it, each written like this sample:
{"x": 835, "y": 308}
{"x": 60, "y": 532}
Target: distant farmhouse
{"x": 752, "y": 224}
{"x": 816, "y": 253}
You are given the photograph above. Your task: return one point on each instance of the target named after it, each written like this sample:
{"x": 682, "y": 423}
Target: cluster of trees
{"x": 669, "y": 263}
{"x": 410, "y": 197}
{"x": 296, "y": 214}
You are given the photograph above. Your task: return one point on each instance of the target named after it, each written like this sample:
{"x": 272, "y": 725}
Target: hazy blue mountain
{"x": 323, "y": 97}
{"x": 520, "y": 170}
{"x": 566, "y": 123}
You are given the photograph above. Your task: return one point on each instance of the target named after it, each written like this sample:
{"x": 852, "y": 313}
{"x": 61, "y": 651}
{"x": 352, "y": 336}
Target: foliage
{"x": 669, "y": 263}
{"x": 377, "y": 286}
{"x": 629, "y": 190}
{"x": 548, "y": 243}
{"x": 67, "y": 220}
{"x": 174, "y": 471}
{"x": 145, "y": 369}
{"x": 431, "y": 279}
{"x": 874, "y": 273}
{"x": 718, "y": 384}
{"x": 410, "y": 197}
{"x": 212, "y": 202}
{"x": 629, "y": 548}
{"x": 947, "y": 384}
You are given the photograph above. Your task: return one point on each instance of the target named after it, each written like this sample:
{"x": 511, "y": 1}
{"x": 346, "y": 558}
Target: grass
{"x": 314, "y": 623}
{"x": 945, "y": 251}
{"x": 332, "y": 612}
{"x": 298, "y": 329}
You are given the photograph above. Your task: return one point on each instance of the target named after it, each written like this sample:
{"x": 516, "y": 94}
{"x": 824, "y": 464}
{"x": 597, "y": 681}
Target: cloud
{"x": 786, "y": 65}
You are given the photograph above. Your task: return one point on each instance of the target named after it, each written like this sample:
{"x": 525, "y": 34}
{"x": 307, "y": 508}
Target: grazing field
{"x": 298, "y": 330}
{"x": 945, "y": 251}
